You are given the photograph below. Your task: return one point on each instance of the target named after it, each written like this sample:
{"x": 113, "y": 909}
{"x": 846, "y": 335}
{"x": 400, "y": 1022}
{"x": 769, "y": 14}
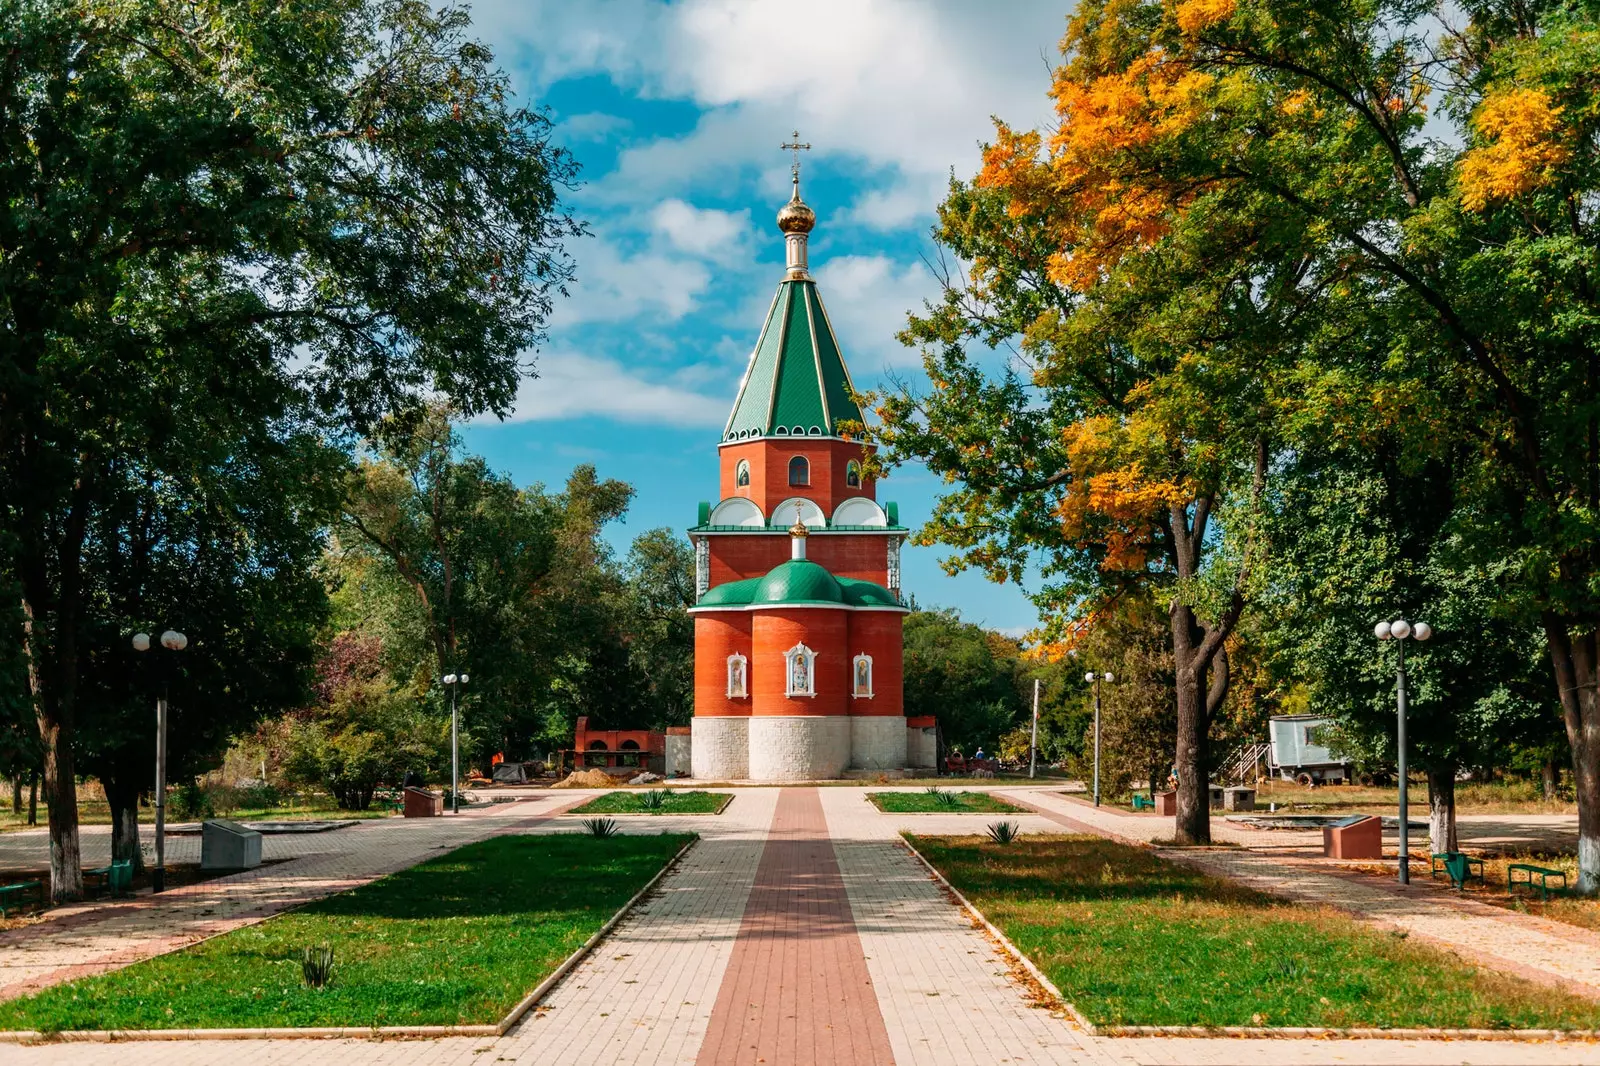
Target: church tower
{"x": 799, "y": 612}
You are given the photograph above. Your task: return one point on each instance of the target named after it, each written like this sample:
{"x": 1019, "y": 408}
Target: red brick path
{"x": 796, "y": 991}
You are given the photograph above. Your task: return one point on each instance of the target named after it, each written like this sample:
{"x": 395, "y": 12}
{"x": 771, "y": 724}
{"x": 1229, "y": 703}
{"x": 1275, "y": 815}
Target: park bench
{"x": 1529, "y": 872}
{"x": 116, "y": 879}
{"x": 1141, "y": 802}
{"x": 13, "y": 894}
{"x": 1459, "y": 866}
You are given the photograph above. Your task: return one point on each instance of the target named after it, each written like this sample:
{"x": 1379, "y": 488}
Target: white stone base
{"x": 720, "y": 748}
{"x": 678, "y": 759}
{"x": 922, "y": 747}
{"x": 878, "y": 743}
{"x": 802, "y": 748}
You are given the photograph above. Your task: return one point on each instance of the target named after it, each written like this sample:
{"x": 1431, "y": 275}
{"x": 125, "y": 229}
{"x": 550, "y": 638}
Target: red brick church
{"x": 798, "y": 621}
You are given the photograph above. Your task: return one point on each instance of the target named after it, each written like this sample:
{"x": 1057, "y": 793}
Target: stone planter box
{"x": 1359, "y": 836}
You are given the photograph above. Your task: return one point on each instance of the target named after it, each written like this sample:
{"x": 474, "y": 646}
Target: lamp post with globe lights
{"x": 1400, "y": 631}
{"x": 1096, "y": 677}
{"x": 174, "y": 641}
{"x": 454, "y": 683}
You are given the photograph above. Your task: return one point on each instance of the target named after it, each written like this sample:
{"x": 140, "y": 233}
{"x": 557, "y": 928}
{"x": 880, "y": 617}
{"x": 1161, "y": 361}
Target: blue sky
{"x": 676, "y": 112}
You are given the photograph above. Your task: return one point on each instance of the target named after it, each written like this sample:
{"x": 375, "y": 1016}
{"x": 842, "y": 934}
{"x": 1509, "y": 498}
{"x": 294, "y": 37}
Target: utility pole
{"x": 1033, "y": 745}
{"x": 1096, "y": 677}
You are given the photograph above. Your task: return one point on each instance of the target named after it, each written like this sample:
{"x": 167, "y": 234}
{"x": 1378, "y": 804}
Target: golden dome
{"x": 795, "y": 216}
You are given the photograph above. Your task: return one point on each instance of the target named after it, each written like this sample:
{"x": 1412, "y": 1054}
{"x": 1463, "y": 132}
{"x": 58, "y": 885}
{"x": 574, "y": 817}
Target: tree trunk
{"x": 33, "y": 798}
{"x": 123, "y": 799}
{"x": 1577, "y": 665}
{"x": 1442, "y": 809}
{"x": 1549, "y": 774}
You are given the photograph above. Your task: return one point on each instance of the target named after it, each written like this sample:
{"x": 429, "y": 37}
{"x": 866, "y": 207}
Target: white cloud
{"x": 701, "y": 231}
{"x": 614, "y": 285}
{"x": 867, "y": 297}
{"x": 573, "y": 385}
{"x": 590, "y": 126}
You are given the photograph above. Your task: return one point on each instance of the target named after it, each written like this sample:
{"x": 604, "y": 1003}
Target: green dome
{"x": 798, "y": 581}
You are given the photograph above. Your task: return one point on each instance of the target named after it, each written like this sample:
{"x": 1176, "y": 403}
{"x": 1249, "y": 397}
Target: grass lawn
{"x": 458, "y": 940}
{"x": 672, "y": 801}
{"x": 1131, "y": 939}
{"x": 931, "y": 803}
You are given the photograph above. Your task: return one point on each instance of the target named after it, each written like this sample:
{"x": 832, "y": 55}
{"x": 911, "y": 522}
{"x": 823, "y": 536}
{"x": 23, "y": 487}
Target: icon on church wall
{"x": 737, "y": 665}
{"x": 801, "y": 662}
{"x": 852, "y": 474}
{"x": 741, "y": 474}
{"x": 863, "y": 668}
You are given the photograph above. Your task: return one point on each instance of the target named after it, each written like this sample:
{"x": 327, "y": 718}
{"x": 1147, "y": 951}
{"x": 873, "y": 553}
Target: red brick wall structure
{"x": 878, "y": 634}
{"x": 769, "y": 471}
{"x": 862, "y": 556}
{"x": 718, "y": 635}
{"x": 823, "y": 630}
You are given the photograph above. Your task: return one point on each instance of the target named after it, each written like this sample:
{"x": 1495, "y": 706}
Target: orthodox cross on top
{"x": 796, "y": 147}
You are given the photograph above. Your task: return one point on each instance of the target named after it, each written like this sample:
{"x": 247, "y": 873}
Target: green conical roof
{"x": 797, "y": 383}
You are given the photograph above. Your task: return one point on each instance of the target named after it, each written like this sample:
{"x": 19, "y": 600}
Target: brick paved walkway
{"x": 652, "y": 993}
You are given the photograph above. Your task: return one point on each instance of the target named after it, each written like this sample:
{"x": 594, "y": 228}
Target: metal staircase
{"x": 1245, "y": 763}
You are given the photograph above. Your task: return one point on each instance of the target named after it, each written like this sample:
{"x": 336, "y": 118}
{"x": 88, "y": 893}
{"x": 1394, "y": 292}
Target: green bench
{"x": 13, "y": 894}
{"x": 1529, "y": 872}
{"x": 1141, "y": 802}
{"x": 1460, "y": 867}
{"x": 116, "y": 879}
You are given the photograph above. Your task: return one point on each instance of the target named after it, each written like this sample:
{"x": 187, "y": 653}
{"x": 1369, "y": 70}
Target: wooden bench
{"x": 1458, "y": 866}
{"x": 1529, "y": 871}
{"x": 116, "y": 879}
{"x": 19, "y": 890}
{"x": 1141, "y": 802}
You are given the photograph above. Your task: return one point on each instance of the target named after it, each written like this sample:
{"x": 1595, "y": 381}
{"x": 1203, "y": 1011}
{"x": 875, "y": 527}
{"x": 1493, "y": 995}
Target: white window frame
{"x": 789, "y": 659}
{"x": 743, "y": 665}
{"x": 741, "y": 469}
{"x": 855, "y": 665}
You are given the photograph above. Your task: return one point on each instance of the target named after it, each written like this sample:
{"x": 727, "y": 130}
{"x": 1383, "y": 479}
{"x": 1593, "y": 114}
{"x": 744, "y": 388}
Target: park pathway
{"x": 803, "y": 903}
{"x": 1536, "y": 948}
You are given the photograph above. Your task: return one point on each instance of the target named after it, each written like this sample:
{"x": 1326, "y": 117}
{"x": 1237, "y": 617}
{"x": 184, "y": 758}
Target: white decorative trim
{"x": 810, "y": 514}
{"x": 702, "y": 566}
{"x": 855, "y": 677}
{"x": 892, "y": 570}
{"x": 742, "y": 467}
{"x": 792, "y": 660}
{"x": 737, "y": 511}
{"x": 859, "y": 511}
{"x": 738, "y": 677}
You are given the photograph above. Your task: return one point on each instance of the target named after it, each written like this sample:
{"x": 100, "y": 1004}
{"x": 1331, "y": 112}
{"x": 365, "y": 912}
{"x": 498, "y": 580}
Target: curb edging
{"x": 500, "y": 1028}
{"x": 1238, "y": 1031}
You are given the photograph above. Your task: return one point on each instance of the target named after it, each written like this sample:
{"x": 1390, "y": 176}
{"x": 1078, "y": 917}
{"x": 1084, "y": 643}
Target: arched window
{"x": 852, "y": 474}
{"x": 799, "y": 471}
{"x": 741, "y": 474}
{"x": 738, "y": 678}
{"x": 861, "y": 675}
{"x": 628, "y": 745}
{"x": 800, "y": 671}
{"x": 597, "y": 745}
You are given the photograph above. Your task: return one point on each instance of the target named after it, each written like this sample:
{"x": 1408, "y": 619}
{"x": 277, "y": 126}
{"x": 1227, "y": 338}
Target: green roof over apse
{"x": 797, "y": 383}
{"x": 798, "y": 582}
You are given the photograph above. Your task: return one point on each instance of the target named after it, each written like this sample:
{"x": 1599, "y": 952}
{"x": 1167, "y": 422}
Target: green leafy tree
{"x": 660, "y": 591}
{"x": 327, "y": 206}
{"x": 953, "y": 672}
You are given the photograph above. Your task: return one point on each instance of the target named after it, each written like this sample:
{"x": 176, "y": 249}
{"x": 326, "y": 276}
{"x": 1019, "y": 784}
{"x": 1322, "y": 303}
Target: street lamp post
{"x": 171, "y": 640}
{"x": 455, "y": 681}
{"x": 1033, "y": 744}
{"x": 1398, "y": 631}
{"x": 1096, "y": 678}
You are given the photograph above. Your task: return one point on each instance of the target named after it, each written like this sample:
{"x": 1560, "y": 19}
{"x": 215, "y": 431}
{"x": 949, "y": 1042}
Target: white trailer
{"x": 1298, "y": 751}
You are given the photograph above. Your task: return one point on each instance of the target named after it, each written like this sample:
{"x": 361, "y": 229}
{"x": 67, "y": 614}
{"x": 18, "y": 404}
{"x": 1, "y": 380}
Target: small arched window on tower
{"x": 738, "y": 678}
{"x": 800, "y": 671}
{"x": 741, "y": 474}
{"x": 861, "y": 677}
{"x": 799, "y": 471}
{"x": 852, "y": 474}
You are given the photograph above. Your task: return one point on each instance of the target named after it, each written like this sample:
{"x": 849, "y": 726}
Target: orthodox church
{"x": 798, "y": 617}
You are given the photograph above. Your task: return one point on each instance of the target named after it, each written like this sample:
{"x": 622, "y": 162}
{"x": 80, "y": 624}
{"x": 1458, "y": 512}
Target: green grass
{"x": 1131, "y": 939}
{"x": 458, "y": 940}
{"x": 928, "y": 803}
{"x": 675, "y": 802}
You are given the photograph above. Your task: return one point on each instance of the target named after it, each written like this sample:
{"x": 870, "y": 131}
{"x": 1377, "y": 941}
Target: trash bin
{"x": 226, "y": 845}
{"x": 420, "y": 803}
{"x": 1360, "y": 836}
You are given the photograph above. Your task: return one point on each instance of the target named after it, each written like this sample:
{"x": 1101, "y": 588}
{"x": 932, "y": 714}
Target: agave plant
{"x": 948, "y": 800}
{"x": 654, "y": 800}
{"x": 1003, "y": 832}
{"x": 601, "y": 827}
{"x": 316, "y": 966}
{"x": 933, "y": 790}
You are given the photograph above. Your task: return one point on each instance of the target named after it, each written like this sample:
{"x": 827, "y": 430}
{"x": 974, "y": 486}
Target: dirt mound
{"x": 586, "y": 779}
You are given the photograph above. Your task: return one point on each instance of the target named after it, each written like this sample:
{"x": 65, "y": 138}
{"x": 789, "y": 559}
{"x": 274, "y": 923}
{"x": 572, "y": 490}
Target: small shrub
{"x": 191, "y": 802}
{"x": 316, "y": 966}
{"x": 1003, "y": 832}
{"x": 933, "y": 790}
{"x": 601, "y": 827}
{"x": 654, "y": 800}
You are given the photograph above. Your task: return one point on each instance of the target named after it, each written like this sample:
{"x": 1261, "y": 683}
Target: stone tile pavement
{"x": 648, "y": 994}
